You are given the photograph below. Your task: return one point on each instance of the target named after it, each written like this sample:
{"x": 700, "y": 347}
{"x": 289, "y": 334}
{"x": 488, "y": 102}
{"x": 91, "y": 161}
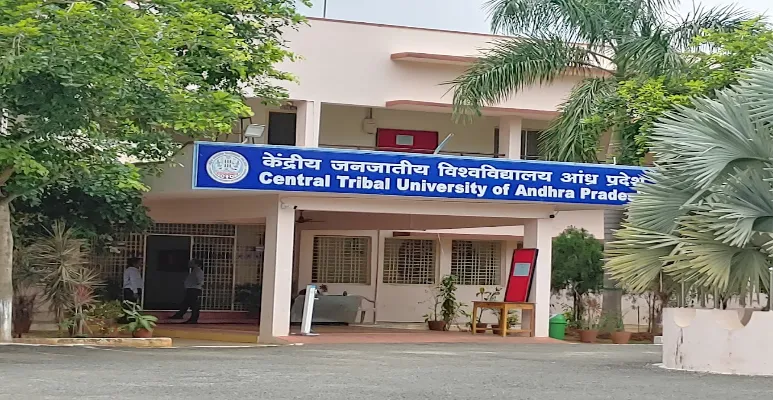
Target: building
{"x": 363, "y": 87}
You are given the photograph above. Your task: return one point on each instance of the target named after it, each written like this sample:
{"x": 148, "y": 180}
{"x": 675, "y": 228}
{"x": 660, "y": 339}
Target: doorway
{"x": 166, "y": 266}
{"x": 281, "y": 128}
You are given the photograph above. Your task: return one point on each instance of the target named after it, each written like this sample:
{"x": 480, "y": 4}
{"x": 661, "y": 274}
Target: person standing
{"x": 194, "y": 283}
{"x": 132, "y": 280}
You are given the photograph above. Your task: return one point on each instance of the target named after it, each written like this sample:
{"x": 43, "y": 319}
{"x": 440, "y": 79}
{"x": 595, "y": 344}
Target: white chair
{"x": 366, "y": 305}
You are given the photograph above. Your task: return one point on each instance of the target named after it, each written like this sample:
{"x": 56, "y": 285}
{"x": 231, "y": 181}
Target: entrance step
{"x": 208, "y": 317}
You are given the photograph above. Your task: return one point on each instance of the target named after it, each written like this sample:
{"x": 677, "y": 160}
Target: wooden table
{"x": 527, "y": 325}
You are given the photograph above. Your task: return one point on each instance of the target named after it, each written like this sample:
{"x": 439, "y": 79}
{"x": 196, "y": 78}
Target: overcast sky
{"x": 457, "y": 15}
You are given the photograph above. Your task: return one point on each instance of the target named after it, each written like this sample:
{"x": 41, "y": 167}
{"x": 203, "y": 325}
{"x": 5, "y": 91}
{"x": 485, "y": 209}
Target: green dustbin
{"x": 557, "y": 329}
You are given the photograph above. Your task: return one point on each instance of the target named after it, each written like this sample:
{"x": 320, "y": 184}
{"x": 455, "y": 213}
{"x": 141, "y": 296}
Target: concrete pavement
{"x": 360, "y": 372}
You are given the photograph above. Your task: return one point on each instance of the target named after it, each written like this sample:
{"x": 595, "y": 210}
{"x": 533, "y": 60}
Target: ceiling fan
{"x": 302, "y": 220}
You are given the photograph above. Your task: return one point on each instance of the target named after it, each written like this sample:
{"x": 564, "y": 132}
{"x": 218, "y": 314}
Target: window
{"x": 476, "y": 262}
{"x": 409, "y": 261}
{"x": 529, "y": 148}
{"x": 341, "y": 259}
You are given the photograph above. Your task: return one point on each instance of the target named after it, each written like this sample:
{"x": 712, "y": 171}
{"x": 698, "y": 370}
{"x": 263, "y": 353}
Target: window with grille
{"x": 476, "y": 262}
{"x": 409, "y": 261}
{"x": 341, "y": 259}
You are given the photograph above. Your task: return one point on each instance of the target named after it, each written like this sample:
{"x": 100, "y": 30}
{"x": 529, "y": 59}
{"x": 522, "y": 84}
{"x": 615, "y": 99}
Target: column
{"x": 307, "y": 123}
{"x": 510, "y": 137}
{"x": 538, "y": 234}
{"x": 277, "y": 272}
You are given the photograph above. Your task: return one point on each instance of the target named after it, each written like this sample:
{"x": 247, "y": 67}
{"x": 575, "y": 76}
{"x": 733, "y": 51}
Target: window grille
{"x": 341, "y": 259}
{"x": 409, "y": 261}
{"x": 193, "y": 229}
{"x": 216, "y": 255}
{"x": 476, "y": 262}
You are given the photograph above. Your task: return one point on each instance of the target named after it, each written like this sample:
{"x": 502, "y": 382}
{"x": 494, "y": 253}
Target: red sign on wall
{"x": 521, "y": 275}
{"x": 406, "y": 140}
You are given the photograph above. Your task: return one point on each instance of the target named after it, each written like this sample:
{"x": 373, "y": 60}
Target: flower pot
{"x": 436, "y": 325}
{"x": 142, "y": 333}
{"x": 588, "y": 336}
{"x": 496, "y": 330}
{"x": 480, "y": 327}
{"x": 620, "y": 337}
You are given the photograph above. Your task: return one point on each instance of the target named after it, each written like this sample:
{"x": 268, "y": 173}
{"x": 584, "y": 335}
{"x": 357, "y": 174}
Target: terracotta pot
{"x": 620, "y": 337}
{"x": 588, "y": 336}
{"x": 436, "y": 325}
{"x": 142, "y": 333}
{"x": 495, "y": 329}
{"x": 480, "y": 327}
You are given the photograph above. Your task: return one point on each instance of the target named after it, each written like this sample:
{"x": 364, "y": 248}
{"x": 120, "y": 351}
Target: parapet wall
{"x": 718, "y": 341}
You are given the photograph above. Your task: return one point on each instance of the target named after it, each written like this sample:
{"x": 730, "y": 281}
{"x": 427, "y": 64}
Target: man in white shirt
{"x": 194, "y": 283}
{"x": 132, "y": 280}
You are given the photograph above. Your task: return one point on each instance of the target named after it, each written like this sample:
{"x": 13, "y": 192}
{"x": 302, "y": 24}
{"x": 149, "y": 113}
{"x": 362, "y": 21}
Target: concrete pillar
{"x": 444, "y": 266}
{"x": 277, "y": 272}
{"x": 537, "y": 234}
{"x": 307, "y": 123}
{"x": 510, "y": 128}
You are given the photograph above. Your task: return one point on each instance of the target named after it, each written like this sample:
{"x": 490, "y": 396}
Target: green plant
{"x": 450, "y": 308}
{"x": 435, "y": 300}
{"x": 611, "y": 322}
{"x": 109, "y": 310}
{"x": 590, "y": 320}
{"x": 577, "y": 266}
{"x": 248, "y": 295}
{"x": 704, "y": 218}
{"x": 485, "y": 295}
{"x": 512, "y": 318}
{"x": 136, "y": 319}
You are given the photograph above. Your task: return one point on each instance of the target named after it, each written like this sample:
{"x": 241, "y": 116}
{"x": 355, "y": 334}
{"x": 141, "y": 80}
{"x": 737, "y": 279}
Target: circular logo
{"x": 227, "y": 167}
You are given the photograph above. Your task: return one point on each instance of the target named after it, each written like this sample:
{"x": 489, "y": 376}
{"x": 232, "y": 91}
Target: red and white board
{"x": 521, "y": 275}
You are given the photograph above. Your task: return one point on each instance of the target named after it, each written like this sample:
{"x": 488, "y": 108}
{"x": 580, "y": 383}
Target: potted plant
{"x": 512, "y": 320}
{"x": 483, "y": 295}
{"x": 612, "y": 323}
{"x": 589, "y": 326}
{"x": 103, "y": 317}
{"x": 140, "y": 325}
{"x": 432, "y": 318}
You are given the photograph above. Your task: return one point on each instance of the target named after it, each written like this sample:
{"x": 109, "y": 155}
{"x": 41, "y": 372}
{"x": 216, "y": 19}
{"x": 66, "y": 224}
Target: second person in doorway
{"x": 193, "y": 285}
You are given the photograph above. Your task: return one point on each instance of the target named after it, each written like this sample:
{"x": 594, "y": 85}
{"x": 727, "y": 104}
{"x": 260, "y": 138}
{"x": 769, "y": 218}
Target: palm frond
{"x": 661, "y": 202}
{"x": 757, "y": 89}
{"x": 511, "y": 65}
{"x": 710, "y": 140}
{"x": 649, "y": 54}
{"x": 572, "y": 20}
{"x": 637, "y": 256}
{"x": 721, "y": 19}
{"x": 570, "y": 137}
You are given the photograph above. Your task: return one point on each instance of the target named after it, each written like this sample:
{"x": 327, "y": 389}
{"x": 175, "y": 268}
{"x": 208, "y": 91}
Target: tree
{"x": 607, "y": 41}
{"x": 87, "y": 86}
{"x": 706, "y": 217}
{"x": 577, "y": 265}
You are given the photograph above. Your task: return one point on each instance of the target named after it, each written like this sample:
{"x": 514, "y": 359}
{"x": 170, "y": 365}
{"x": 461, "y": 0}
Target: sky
{"x": 456, "y": 15}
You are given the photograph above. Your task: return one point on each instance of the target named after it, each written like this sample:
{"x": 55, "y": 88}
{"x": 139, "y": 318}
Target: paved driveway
{"x": 360, "y": 372}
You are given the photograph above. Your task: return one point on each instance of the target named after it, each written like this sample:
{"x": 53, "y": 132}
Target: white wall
{"x": 349, "y": 63}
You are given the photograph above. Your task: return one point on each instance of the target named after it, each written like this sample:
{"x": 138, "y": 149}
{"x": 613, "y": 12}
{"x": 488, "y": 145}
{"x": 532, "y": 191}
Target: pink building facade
{"x": 364, "y": 90}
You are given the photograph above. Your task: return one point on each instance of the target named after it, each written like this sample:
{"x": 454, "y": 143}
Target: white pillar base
{"x": 537, "y": 234}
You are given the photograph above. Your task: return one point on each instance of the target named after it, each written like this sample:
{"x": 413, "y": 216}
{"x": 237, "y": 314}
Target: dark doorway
{"x": 166, "y": 268}
{"x": 281, "y": 128}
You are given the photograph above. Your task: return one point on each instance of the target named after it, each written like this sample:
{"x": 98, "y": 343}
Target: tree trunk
{"x": 6, "y": 273}
{"x": 612, "y": 295}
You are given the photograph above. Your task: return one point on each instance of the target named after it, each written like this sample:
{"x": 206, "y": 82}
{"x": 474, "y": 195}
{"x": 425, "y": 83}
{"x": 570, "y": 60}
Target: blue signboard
{"x": 299, "y": 169}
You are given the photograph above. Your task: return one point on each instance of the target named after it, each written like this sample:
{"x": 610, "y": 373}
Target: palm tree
{"x": 706, "y": 217}
{"x": 606, "y": 40}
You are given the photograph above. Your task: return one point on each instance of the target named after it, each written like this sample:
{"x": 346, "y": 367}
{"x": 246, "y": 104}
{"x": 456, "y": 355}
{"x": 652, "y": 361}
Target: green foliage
{"x": 79, "y": 108}
{"x": 607, "y": 41}
{"x": 706, "y": 218}
{"x": 136, "y": 319}
{"x": 577, "y": 262}
{"x": 449, "y": 307}
{"x": 725, "y": 55}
